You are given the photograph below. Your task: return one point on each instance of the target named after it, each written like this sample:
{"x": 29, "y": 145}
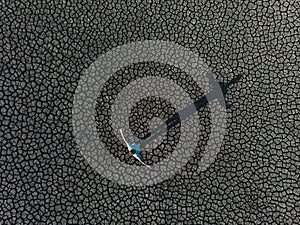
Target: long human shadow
{"x": 189, "y": 110}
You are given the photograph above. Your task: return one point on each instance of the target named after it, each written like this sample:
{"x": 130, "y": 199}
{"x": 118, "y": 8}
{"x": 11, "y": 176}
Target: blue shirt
{"x": 137, "y": 149}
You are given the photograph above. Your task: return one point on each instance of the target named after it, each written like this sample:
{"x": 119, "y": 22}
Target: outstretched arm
{"x": 142, "y": 162}
{"x": 123, "y": 136}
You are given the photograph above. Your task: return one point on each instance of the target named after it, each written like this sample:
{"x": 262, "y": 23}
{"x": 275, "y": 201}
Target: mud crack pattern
{"x": 45, "y": 47}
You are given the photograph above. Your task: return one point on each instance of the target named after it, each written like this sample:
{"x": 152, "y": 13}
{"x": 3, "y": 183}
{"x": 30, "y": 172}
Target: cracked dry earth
{"x": 45, "y": 48}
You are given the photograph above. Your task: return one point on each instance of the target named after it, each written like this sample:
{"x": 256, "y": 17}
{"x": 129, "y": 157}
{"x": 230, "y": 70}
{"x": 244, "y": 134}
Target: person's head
{"x": 131, "y": 152}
